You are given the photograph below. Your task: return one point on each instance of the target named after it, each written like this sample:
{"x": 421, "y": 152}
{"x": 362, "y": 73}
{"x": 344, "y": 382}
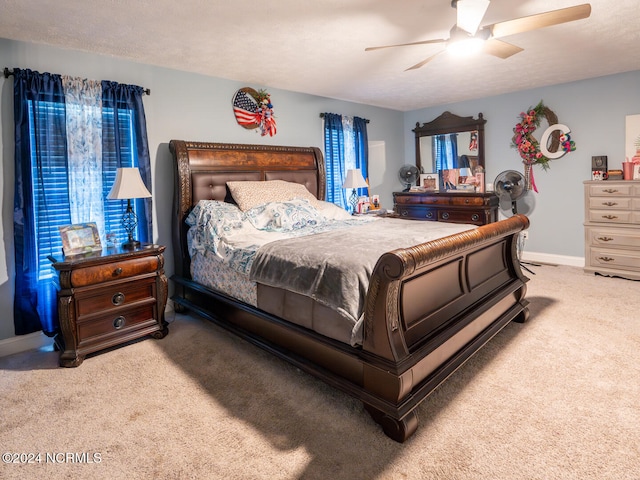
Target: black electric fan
{"x": 510, "y": 186}
{"x": 408, "y": 175}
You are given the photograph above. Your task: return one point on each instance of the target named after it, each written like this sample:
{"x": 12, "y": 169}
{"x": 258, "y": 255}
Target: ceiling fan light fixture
{"x": 465, "y": 47}
{"x": 462, "y": 44}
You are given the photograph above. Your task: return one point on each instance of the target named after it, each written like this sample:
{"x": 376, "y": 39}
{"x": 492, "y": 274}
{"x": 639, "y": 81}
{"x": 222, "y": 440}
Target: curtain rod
{"x": 8, "y": 73}
{"x": 366, "y": 120}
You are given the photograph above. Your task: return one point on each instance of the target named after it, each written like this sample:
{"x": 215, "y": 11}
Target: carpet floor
{"x": 555, "y": 398}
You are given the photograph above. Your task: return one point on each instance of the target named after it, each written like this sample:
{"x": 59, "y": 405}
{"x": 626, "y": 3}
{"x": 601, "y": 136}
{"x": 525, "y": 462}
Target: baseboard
{"x": 553, "y": 259}
{"x": 22, "y": 343}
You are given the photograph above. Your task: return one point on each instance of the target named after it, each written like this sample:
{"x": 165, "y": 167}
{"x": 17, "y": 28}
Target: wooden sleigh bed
{"x": 428, "y": 307}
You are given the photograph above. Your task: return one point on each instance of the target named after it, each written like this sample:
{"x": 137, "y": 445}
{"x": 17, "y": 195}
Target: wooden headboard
{"x": 202, "y": 170}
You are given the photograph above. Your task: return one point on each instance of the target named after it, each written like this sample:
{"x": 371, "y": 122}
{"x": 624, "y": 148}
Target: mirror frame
{"x": 451, "y": 123}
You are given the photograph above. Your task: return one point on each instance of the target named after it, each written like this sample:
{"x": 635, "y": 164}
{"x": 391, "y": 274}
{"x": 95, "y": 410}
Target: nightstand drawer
{"x": 113, "y": 271}
{"x": 98, "y": 329}
{"x": 121, "y": 295}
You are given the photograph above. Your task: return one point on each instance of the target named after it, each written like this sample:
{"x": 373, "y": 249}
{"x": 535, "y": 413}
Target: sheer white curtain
{"x": 83, "y": 108}
{"x": 349, "y": 143}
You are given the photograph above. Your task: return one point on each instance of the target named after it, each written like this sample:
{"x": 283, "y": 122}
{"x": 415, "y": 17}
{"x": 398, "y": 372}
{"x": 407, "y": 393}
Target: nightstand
{"x": 109, "y": 298}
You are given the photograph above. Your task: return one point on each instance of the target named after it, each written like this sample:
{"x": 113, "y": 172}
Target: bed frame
{"x": 428, "y": 307}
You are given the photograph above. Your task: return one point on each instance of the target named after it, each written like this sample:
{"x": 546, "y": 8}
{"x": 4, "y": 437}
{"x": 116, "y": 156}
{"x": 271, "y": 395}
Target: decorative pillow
{"x": 210, "y": 220}
{"x": 250, "y": 194}
{"x": 331, "y": 211}
{"x": 220, "y": 215}
{"x": 284, "y": 216}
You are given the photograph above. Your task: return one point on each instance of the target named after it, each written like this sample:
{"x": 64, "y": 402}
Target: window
{"x": 345, "y": 147}
{"x": 50, "y": 180}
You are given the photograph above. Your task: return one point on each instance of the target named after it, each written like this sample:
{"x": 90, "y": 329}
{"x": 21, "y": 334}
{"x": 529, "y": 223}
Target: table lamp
{"x": 129, "y": 185}
{"x": 354, "y": 180}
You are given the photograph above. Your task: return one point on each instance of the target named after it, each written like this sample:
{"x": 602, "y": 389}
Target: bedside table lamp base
{"x": 129, "y": 223}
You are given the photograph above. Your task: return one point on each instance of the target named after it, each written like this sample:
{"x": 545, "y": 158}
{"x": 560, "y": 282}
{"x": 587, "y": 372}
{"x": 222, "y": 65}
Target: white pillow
{"x": 331, "y": 211}
{"x": 250, "y": 194}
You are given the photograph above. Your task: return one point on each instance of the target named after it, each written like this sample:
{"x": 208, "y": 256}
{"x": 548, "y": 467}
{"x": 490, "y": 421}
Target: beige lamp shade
{"x": 128, "y": 184}
{"x": 354, "y": 179}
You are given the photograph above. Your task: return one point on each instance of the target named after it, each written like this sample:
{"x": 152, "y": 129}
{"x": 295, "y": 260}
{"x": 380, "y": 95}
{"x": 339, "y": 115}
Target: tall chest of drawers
{"x": 612, "y": 228}
{"x": 108, "y": 298}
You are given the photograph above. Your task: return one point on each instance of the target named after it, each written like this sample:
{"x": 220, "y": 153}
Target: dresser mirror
{"x": 450, "y": 141}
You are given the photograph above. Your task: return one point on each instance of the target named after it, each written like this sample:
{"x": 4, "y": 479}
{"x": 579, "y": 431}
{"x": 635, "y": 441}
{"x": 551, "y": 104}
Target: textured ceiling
{"x": 318, "y": 47}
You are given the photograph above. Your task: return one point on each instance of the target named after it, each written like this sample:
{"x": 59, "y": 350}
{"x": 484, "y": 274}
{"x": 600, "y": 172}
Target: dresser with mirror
{"x": 448, "y": 142}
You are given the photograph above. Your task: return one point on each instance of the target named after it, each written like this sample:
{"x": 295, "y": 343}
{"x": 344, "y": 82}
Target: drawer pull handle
{"x": 609, "y": 217}
{"x": 606, "y": 259}
{"x": 445, "y": 215}
{"x": 475, "y": 217}
{"x": 118, "y": 322}
{"x": 605, "y": 239}
{"x": 117, "y": 271}
{"x": 609, "y": 204}
{"x": 404, "y": 213}
{"x": 429, "y": 215}
{"x": 610, "y": 190}
{"x": 118, "y": 298}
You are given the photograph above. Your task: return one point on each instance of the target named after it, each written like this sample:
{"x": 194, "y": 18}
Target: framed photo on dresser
{"x": 636, "y": 171}
{"x": 430, "y": 182}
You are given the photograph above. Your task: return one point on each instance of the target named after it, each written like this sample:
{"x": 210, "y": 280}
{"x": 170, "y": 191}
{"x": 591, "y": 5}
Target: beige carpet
{"x": 556, "y": 398}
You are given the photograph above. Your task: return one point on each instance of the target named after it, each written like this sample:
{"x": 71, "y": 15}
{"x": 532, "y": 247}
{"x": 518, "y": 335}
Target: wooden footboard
{"x": 430, "y": 307}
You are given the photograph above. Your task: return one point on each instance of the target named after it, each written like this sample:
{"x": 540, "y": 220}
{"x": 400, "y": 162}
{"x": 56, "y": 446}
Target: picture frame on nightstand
{"x": 636, "y": 171}
{"x": 80, "y": 238}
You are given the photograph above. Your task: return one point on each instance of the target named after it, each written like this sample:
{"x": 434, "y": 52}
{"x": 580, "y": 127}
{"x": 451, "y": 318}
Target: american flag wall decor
{"x": 253, "y": 109}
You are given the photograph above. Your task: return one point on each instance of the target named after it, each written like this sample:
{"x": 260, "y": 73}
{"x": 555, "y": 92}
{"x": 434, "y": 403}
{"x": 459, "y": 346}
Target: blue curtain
{"x": 334, "y": 158}
{"x": 39, "y": 125}
{"x": 41, "y": 161}
{"x": 117, "y": 98}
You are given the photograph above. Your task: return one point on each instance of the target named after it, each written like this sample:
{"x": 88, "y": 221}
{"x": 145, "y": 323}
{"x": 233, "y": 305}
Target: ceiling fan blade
{"x": 469, "y": 14}
{"x": 500, "y": 49}
{"x": 422, "y": 42}
{"x": 424, "y": 62}
{"x": 541, "y": 20}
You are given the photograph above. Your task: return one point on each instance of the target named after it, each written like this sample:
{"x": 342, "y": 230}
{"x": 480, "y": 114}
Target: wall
{"x": 181, "y": 106}
{"x": 595, "y": 112}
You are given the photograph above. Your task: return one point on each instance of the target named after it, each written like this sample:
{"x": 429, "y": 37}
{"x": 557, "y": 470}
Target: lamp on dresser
{"x": 129, "y": 185}
{"x": 354, "y": 180}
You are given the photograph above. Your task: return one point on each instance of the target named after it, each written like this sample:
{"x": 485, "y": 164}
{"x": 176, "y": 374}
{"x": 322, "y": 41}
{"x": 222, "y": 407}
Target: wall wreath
{"x": 554, "y": 143}
{"x": 253, "y": 109}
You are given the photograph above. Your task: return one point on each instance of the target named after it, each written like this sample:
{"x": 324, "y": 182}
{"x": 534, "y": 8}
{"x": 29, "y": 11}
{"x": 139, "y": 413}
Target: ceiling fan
{"x": 467, "y": 33}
